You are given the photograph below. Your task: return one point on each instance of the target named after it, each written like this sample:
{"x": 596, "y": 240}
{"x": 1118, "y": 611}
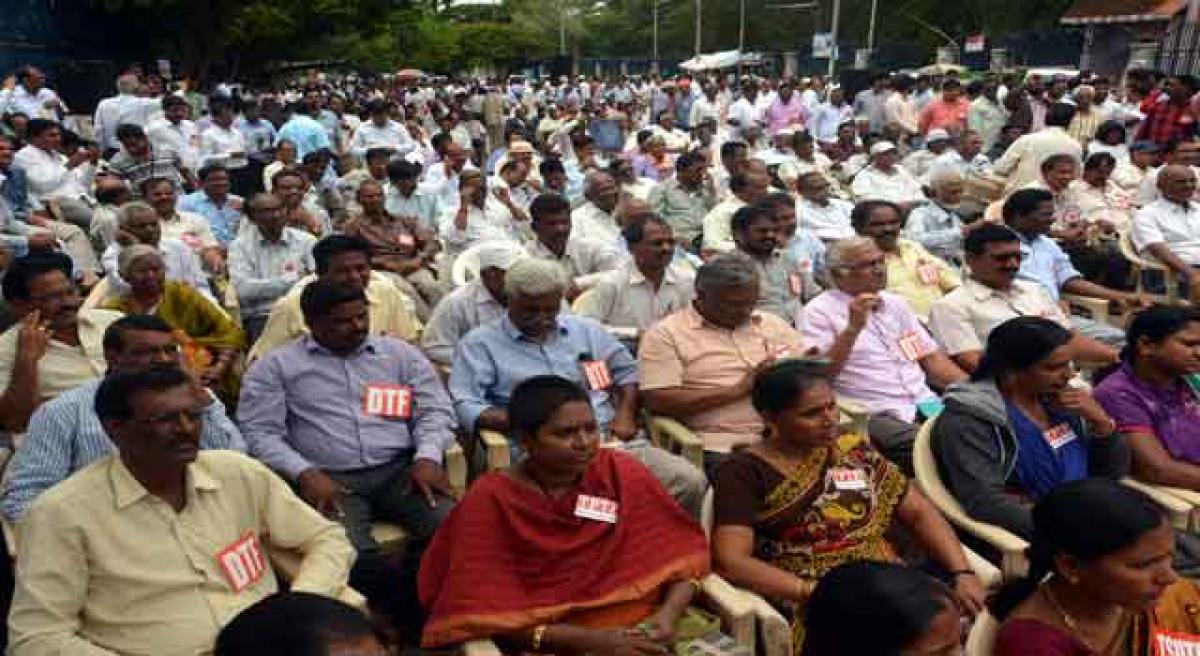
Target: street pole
{"x": 741, "y": 35}
{"x": 654, "y": 64}
{"x": 833, "y": 31}
{"x": 871, "y": 28}
{"x": 562, "y": 28}
{"x": 699, "y": 10}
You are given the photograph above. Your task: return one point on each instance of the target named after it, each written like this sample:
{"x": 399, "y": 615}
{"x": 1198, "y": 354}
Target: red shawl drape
{"x": 509, "y": 558}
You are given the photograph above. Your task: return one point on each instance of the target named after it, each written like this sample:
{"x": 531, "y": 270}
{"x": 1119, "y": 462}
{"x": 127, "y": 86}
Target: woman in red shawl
{"x": 568, "y": 550}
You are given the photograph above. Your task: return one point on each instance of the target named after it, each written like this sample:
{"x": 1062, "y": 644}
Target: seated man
{"x": 346, "y": 260}
{"x": 55, "y": 347}
{"x": 477, "y": 216}
{"x": 583, "y": 260}
{"x": 646, "y": 288}
{"x": 265, "y": 261}
{"x": 535, "y": 338}
{"x": 913, "y": 273}
{"x": 65, "y": 434}
{"x": 880, "y": 355}
{"x": 476, "y": 303}
{"x": 937, "y": 225}
{"x": 783, "y": 281}
{"x": 358, "y": 422}
{"x": 375, "y": 169}
{"x": 698, "y": 365}
{"x": 883, "y": 180}
{"x": 406, "y": 198}
{"x": 991, "y": 295}
{"x": 139, "y": 160}
{"x": 826, "y": 216}
{"x": 221, "y": 209}
{"x": 155, "y": 548}
{"x": 1169, "y": 228}
{"x": 138, "y": 224}
{"x": 684, "y": 198}
{"x": 52, "y": 178}
{"x": 747, "y": 184}
{"x": 1030, "y": 213}
{"x": 191, "y": 229}
{"x": 596, "y": 217}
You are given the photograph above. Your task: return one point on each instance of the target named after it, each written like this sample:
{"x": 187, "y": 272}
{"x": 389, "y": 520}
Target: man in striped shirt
{"x": 65, "y": 434}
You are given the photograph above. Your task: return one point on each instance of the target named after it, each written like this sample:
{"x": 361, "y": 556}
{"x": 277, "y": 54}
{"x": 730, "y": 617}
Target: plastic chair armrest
{"x": 1178, "y": 510}
{"x": 675, "y": 434}
{"x": 734, "y": 608}
{"x": 498, "y": 458}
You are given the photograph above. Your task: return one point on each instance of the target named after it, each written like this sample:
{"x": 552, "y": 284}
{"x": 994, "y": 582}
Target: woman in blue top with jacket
{"x": 1018, "y": 429}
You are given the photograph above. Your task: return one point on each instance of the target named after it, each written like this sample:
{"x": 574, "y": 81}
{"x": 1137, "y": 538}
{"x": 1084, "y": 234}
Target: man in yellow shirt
{"x": 346, "y": 260}
{"x": 912, "y": 272}
{"x": 154, "y": 549}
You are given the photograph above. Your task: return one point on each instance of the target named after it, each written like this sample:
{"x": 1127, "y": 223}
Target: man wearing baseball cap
{"x": 883, "y": 180}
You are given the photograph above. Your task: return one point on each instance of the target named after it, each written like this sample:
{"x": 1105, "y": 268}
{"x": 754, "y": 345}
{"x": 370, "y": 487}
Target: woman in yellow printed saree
{"x": 807, "y": 499}
{"x": 210, "y": 340}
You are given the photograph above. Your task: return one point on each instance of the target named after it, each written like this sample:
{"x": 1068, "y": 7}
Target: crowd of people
{"x": 250, "y": 327}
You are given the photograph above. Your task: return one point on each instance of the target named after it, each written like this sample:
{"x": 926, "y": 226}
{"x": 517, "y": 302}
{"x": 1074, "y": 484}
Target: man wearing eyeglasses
{"x": 880, "y": 355}
{"x": 65, "y": 434}
{"x": 992, "y": 294}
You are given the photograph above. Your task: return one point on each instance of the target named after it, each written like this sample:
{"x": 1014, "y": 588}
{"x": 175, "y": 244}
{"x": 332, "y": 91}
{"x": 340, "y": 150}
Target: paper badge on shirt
{"x": 912, "y": 346}
{"x": 928, "y": 273}
{"x": 848, "y": 479}
{"x": 596, "y": 508}
{"x": 596, "y": 375}
{"x": 1059, "y": 436}
{"x": 243, "y": 562}
{"x": 388, "y": 400}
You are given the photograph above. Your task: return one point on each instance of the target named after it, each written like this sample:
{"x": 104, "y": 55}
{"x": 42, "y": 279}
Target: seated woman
{"x": 211, "y": 341}
{"x": 1100, "y": 580}
{"x": 576, "y": 549}
{"x": 1018, "y": 429}
{"x": 805, "y": 500}
{"x": 909, "y": 612}
{"x": 1151, "y": 400}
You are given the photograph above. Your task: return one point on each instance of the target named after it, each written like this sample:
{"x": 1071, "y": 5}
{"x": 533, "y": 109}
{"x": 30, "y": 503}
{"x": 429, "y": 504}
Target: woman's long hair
{"x": 1088, "y": 519}
{"x": 870, "y": 607}
{"x": 1018, "y": 344}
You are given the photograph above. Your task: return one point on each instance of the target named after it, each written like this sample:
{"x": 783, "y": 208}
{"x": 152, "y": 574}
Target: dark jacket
{"x": 976, "y": 452}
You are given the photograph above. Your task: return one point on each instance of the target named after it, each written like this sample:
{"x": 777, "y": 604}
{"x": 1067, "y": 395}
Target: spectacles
{"x": 873, "y": 265}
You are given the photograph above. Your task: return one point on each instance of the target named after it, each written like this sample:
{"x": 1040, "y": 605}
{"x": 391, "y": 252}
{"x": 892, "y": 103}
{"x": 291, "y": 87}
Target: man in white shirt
{"x": 381, "y": 132}
{"x": 748, "y": 183}
{"x": 745, "y": 114}
{"x": 829, "y": 115}
{"x": 705, "y": 108}
{"x": 966, "y": 158}
{"x": 883, "y": 180}
{"x": 52, "y": 176}
{"x": 899, "y": 107}
{"x": 596, "y": 218}
{"x": 827, "y": 217}
{"x": 442, "y": 178}
{"x": 478, "y": 302}
{"x": 33, "y": 99}
{"x": 265, "y": 261}
{"x": 221, "y": 142}
{"x": 1169, "y": 228}
{"x": 174, "y": 132}
{"x": 125, "y": 107}
{"x": 477, "y": 216}
{"x": 1022, "y": 162}
{"x": 582, "y": 260}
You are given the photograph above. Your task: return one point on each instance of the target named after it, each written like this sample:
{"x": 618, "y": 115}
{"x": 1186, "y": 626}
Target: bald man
{"x": 1169, "y": 228}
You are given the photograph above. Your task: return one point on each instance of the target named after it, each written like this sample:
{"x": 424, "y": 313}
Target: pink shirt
{"x": 883, "y": 372}
{"x": 781, "y": 114}
{"x": 951, "y": 117}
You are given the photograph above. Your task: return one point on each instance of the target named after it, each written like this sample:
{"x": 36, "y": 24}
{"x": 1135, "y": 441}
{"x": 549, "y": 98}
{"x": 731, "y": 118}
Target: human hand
{"x": 321, "y": 492}
{"x": 618, "y": 642}
{"x": 624, "y": 428}
{"x": 39, "y": 219}
{"x": 430, "y": 477}
{"x": 1082, "y": 402}
{"x": 78, "y": 157}
{"x": 502, "y": 195}
{"x": 860, "y": 309}
{"x": 1134, "y": 303}
{"x": 970, "y": 592}
{"x": 33, "y": 337}
{"x": 746, "y": 384}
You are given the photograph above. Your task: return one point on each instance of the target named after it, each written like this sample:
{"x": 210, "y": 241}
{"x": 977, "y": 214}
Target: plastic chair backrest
{"x": 706, "y": 512}
{"x": 930, "y": 481}
{"x": 466, "y": 266}
{"x": 1125, "y": 243}
{"x": 982, "y": 638}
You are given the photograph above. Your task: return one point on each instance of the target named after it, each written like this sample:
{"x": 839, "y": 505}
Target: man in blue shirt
{"x": 65, "y": 434}
{"x": 304, "y": 131}
{"x": 214, "y": 202}
{"x": 532, "y": 339}
{"x": 1030, "y": 213}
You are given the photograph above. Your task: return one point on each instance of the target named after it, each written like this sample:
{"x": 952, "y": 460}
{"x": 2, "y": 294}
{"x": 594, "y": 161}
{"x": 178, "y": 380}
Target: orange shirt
{"x": 951, "y": 117}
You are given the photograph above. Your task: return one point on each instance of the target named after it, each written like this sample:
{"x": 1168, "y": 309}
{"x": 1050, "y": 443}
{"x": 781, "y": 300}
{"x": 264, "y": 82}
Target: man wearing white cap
{"x": 937, "y": 143}
{"x": 883, "y": 180}
{"x": 478, "y": 302}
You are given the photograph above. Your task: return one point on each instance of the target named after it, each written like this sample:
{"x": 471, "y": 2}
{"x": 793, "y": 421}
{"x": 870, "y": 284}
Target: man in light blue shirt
{"x": 1030, "y": 212}
{"x": 65, "y": 434}
{"x": 532, "y": 339}
{"x": 359, "y": 422}
{"x": 406, "y": 197}
{"x": 304, "y": 131}
{"x": 214, "y": 202}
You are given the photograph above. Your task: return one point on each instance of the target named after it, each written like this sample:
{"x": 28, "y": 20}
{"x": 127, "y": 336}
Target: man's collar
{"x": 128, "y": 490}
{"x": 982, "y": 292}
{"x": 515, "y": 333}
{"x": 369, "y": 345}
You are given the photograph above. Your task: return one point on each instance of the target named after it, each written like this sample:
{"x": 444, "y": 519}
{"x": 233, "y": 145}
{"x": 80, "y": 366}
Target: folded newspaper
{"x": 711, "y": 644}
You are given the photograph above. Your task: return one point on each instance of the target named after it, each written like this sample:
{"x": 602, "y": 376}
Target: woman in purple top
{"x": 1151, "y": 400}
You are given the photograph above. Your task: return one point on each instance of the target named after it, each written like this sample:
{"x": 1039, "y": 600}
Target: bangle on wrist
{"x": 1108, "y": 427}
{"x": 538, "y": 635}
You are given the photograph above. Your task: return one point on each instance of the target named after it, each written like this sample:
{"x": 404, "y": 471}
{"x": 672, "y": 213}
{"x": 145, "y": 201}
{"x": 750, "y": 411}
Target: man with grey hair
{"x": 936, "y": 224}
{"x": 886, "y": 369}
{"x": 125, "y": 107}
{"x": 138, "y": 223}
{"x": 1088, "y": 116}
{"x": 596, "y": 218}
{"x": 698, "y": 365}
{"x": 534, "y": 338}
